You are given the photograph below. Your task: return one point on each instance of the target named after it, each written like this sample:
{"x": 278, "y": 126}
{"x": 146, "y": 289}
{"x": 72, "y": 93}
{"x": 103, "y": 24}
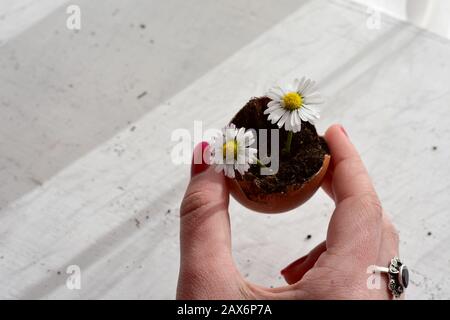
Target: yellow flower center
{"x": 292, "y": 101}
{"x": 230, "y": 147}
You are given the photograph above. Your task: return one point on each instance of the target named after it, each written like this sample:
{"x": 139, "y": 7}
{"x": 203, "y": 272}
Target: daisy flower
{"x": 293, "y": 104}
{"x": 231, "y": 150}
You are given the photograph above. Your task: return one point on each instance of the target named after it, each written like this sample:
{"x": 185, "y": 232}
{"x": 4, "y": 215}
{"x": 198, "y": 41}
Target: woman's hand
{"x": 359, "y": 235}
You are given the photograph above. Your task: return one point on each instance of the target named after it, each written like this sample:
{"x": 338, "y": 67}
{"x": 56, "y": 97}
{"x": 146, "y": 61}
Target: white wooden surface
{"x": 64, "y": 92}
{"x": 431, "y": 15}
{"x": 114, "y": 211}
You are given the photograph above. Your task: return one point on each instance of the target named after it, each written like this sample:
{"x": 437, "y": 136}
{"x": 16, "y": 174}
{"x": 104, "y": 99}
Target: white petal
{"x": 312, "y": 111}
{"x": 283, "y": 119}
{"x": 273, "y": 108}
{"x": 249, "y": 138}
{"x": 240, "y": 135}
{"x": 230, "y": 134}
{"x": 229, "y": 171}
{"x": 298, "y": 123}
{"x": 239, "y": 168}
{"x": 295, "y": 122}
{"x": 218, "y": 153}
{"x": 216, "y": 143}
{"x": 242, "y": 156}
{"x": 250, "y": 151}
{"x": 279, "y": 92}
{"x": 287, "y": 124}
{"x": 314, "y": 94}
{"x": 297, "y": 118}
{"x": 242, "y": 168}
{"x": 302, "y": 115}
{"x": 272, "y": 103}
{"x": 316, "y": 98}
{"x": 305, "y": 113}
{"x": 283, "y": 91}
{"x": 219, "y": 161}
{"x": 231, "y": 126}
{"x": 250, "y": 154}
{"x": 296, "y": 128}
{"x": 292, "y": 120}
{"x": 276, "y": 93}
{"x": 230, "y": 158}
{"x": 305, "y": 87}
{"x": 276, "y": 115}
{"x": 310, "y": 89}
{"x": 301, "y": 84}
{"x": 275, "y": 96}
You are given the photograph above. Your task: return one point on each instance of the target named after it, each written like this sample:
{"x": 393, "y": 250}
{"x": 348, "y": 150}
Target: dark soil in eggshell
{"x": 306, "y": 158}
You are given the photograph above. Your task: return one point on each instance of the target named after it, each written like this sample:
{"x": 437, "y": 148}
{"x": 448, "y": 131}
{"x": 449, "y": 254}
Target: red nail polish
{"x": 198, "y": 160}
{"x": 294, "y": 264}
{"x": 343, "y": 130}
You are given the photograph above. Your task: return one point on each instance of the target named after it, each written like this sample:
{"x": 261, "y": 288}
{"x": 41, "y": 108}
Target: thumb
{"x": 355, "y": 227}
{"x": 205, "y": 237}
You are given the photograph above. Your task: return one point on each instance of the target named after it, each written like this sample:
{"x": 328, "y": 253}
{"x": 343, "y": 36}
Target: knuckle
{"x": 371, "y": 206}
{"x": 193, "y": 202}
{"x": 368, "y": 206}
{"x": 202, "y": 199}
{"x": 330, "y": 282}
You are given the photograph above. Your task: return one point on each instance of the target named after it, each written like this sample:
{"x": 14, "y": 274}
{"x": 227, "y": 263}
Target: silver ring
{"x": 398, "y": 276}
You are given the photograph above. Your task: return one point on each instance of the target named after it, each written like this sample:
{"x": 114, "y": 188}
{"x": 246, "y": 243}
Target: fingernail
{"x": 198, "y": 162}
{"x": 293, "y": 264}
{"x": 343, "y": 130}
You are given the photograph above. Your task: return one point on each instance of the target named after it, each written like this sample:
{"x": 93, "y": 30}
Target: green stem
{"x": 287, "y": 147}
{"x": 262, "y": 165}
{"x": 259, "y": 163}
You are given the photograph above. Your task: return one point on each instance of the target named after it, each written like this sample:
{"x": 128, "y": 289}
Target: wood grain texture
{"x": 114, "y": 212}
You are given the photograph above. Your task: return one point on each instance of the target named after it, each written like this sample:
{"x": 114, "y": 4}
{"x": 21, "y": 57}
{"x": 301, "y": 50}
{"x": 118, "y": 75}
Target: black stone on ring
{"x": 398, "y": 276}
